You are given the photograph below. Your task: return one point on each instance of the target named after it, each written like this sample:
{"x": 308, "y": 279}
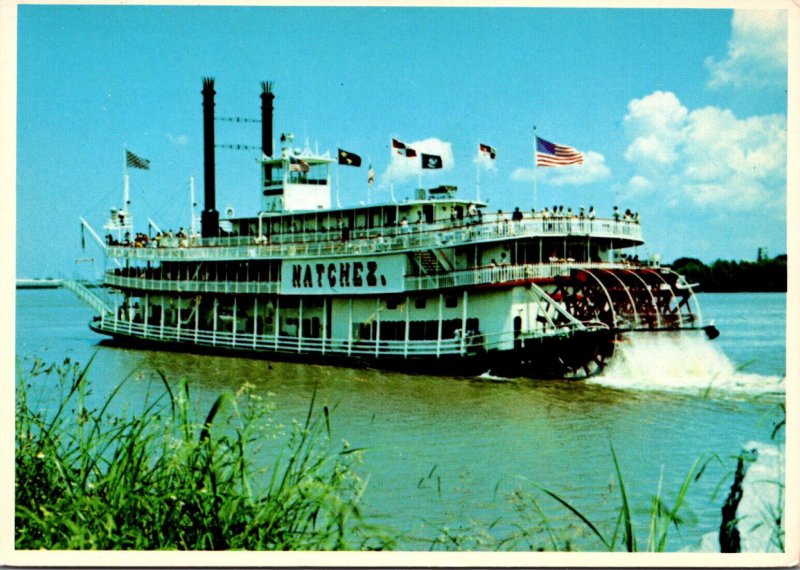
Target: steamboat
{"x": 435, "y": 283}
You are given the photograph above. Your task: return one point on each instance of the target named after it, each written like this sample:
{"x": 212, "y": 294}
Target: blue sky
{"x": 681, "y": 113}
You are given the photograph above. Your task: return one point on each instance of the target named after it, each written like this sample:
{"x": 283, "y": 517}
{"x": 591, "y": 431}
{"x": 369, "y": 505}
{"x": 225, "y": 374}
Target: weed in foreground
{"x": 662, "y": 516}
{"x": 163, "y": 478}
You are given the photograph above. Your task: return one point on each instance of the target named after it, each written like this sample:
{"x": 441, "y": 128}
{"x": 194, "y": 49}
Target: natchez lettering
{"x": 308, "y": 275}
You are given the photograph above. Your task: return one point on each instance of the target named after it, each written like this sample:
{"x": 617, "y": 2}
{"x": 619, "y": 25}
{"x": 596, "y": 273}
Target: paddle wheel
{"x": 627, "y": 300}
{"x": 640, "y": 299}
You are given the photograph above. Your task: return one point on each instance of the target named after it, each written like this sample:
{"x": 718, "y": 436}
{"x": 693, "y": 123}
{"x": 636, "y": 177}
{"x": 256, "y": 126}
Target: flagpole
{"x": 535, "y": 166}
{"x": 125, "y": 188}
{"x": 191, "y": 206}
{"x": 478, "y": 175}
{"x": 338, "y": 205}
{"x": 369, "y": 182}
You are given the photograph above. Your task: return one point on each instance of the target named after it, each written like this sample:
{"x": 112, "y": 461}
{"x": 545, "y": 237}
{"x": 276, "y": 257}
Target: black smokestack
{"x": 267, "y": 98}
{"x": 210, "y": 216}
{"x": 266, "y": 125}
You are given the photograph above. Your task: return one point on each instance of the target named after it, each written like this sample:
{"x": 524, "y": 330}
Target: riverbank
{"x": 767, "y": 275}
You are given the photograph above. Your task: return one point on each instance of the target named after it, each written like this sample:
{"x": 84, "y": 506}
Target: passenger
{"x": 616, "y": 214}
{"x": 516, "y": 215}
{"x": 591, "y": 212}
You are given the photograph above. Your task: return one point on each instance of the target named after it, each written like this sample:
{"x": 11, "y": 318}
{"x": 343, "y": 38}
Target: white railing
{"x": 499, "y": 274}
{"x": 377, "y": 240}
{"x": 463, "y": 278}
{"x": 299, "y": 345}
{"x": 193, "y": 286}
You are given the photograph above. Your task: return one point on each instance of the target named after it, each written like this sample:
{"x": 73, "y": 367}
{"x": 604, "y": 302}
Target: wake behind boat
{"x": 435, "y": 283}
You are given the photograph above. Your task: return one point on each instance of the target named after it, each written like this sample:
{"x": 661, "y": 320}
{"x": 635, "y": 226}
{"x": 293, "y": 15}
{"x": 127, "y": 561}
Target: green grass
{"x": 167, "y": 477}
{"x": 663, "y": 515}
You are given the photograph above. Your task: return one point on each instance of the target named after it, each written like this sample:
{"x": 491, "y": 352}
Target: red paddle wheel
{"x": 625, "y": 300}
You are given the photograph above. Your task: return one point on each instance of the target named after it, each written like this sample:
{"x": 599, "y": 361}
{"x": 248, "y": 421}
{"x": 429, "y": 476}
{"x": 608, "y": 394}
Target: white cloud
{"x": 707, "y": 156}
{"x": 402, "y": 168}
{"x": 639, "y": 184}
{"x": 484, "y": 161}
{"x": 178, "y": 140}
{"x": 593, "y": 169}
{"x": 757, "y": 51}
{"x": 655, "y": 124}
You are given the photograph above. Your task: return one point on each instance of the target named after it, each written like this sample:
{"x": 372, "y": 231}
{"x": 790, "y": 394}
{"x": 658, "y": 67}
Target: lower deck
{"x": 430, "y": 324}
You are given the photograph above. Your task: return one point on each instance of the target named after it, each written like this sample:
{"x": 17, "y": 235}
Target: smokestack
{"x": 266, "y": 125}
{"x": 267, "y": 97}
{"x": 210, "y": 216}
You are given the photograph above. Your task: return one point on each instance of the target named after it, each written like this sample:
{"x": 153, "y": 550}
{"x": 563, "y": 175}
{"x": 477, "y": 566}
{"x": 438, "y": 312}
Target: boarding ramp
{"x": 87, "y": 296}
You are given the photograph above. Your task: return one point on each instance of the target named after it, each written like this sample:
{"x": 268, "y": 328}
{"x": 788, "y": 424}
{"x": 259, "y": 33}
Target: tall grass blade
{"x": 630, "y": 538}
{"x": 578, "y": 514}
{"x": 212, "y": 413}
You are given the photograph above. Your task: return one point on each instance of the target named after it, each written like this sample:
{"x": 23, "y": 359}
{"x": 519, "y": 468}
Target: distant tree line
{"x": 764, "y": 275}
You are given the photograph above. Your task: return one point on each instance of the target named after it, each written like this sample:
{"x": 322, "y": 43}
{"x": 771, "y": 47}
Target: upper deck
{"x": 316, "y": 234}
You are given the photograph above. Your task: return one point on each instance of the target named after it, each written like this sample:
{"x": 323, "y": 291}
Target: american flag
{"x": 550, "y": 154}
{"x": 297, "y": 165}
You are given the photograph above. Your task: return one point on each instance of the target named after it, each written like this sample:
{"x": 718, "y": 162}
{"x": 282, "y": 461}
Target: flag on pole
{"x": 431, "y": 161}
{"x": 487, "y": 150}
{"x": 402, "y": 149}
{"x": 349, "y": 158}
{"x": 551, "y": 154}
{"x": 134, "y": 161}
{"x": 370, "y": 176}
{"x": 297, "y": 165}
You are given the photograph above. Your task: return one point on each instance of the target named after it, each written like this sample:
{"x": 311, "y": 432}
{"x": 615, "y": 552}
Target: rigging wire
{"x": 237, "y": 120}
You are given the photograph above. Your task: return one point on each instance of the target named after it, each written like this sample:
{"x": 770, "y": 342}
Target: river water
{"x": 451, "y": 452}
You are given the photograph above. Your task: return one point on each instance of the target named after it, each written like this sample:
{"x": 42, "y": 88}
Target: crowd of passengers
{"x": 143, "y": 240}
{"x": 458, "y": 218}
